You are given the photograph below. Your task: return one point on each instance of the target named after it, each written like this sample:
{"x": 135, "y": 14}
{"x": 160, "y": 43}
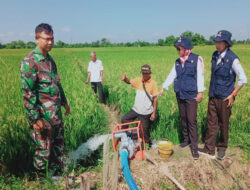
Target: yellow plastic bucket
{"x": 165, "y": 148}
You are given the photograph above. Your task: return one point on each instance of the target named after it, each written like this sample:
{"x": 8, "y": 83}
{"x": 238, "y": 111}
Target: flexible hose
{"x": 126, "y": 171}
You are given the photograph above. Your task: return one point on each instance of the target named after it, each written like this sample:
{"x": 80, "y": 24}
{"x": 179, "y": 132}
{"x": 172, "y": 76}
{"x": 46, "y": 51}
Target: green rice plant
{"x": 86, "y": 118}
{"x": 120, "y": 60}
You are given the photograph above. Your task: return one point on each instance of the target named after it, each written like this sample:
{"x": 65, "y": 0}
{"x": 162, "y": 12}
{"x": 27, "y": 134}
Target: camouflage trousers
{"x": 49, "y": 145}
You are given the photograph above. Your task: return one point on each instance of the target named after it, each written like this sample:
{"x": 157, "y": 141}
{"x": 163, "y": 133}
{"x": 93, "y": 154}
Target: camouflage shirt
{"x": 41, "y": 88}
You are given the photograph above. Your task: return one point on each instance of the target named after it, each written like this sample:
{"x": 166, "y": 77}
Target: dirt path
{"x": 95, "y": 177}
{"x": 114, "y": 116}
{"x": 200, "y": 174}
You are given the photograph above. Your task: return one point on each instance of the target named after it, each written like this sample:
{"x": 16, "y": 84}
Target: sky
{"x": 78, "y": 21}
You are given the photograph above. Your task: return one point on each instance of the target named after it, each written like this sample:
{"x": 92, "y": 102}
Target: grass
{"x": 11, "y": 182}
{"x": 167, "y": 125}
{"x": 88, "y": 118}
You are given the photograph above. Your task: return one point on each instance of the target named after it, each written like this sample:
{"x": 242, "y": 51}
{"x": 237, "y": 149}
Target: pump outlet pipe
{"x": 126, "y": 171}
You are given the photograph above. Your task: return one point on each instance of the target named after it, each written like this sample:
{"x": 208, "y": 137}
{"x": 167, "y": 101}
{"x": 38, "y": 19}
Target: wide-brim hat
{"x": 184, "y": 42}
{"x": 224, "y": 35}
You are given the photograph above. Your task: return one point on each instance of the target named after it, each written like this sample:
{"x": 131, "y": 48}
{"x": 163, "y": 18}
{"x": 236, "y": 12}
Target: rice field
{"x": 87, "y": 116}
{"x": 86, "y": 119}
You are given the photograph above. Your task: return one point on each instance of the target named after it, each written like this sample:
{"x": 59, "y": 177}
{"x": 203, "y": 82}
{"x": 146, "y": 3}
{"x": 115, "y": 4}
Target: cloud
{"x": 66, "y": 29}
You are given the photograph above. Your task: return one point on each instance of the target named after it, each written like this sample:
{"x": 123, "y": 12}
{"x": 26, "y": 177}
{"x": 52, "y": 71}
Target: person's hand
{"x": 230, "y": 99}
{"x": 102, "y": 81}
{"x": 67, "y": 108}
{"x": 123, "y": 76}
{"x": 161, "y": 92}
{"x": 152, "y": 117}
{"x": 199, "y": 97}
{"x": 39, "y": 125}
{"x": 86, "y": 82}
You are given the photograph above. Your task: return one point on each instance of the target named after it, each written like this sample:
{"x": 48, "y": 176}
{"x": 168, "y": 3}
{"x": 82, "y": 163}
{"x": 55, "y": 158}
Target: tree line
{"x": 196, "y": 38}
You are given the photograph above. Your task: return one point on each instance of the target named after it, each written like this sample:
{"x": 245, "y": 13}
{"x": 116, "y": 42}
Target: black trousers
{"x": 145, "y": 121}
{"x": 98, "y": 85}
{"x": 188, "y": 114}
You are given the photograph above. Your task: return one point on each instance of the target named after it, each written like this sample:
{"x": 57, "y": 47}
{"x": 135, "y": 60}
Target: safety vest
{"x": 222, "y": 78}
{"x": 185, "y": 83}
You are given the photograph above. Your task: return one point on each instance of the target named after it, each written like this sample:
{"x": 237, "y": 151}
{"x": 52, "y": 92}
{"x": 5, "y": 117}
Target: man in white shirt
{"x": 95, "y": 74}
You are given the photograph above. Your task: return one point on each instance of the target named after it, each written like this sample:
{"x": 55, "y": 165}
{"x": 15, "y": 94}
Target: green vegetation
{"x": 196, "y": 38}
{"x": 119, "y": 60}
{"x": 87, "y": 117}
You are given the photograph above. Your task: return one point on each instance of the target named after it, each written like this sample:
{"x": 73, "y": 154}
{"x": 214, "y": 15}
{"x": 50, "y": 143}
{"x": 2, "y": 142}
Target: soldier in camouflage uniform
{"x": 43, "y": 98}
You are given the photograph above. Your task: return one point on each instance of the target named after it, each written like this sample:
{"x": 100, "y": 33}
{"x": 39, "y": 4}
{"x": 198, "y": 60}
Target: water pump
{"x": 132, "y": 145}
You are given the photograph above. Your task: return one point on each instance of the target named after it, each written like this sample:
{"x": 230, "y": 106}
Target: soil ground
{"x": 201, "y": 174}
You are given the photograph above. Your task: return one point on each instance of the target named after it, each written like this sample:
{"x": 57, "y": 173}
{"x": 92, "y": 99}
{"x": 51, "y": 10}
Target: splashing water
{"x": 88, "y": 147}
